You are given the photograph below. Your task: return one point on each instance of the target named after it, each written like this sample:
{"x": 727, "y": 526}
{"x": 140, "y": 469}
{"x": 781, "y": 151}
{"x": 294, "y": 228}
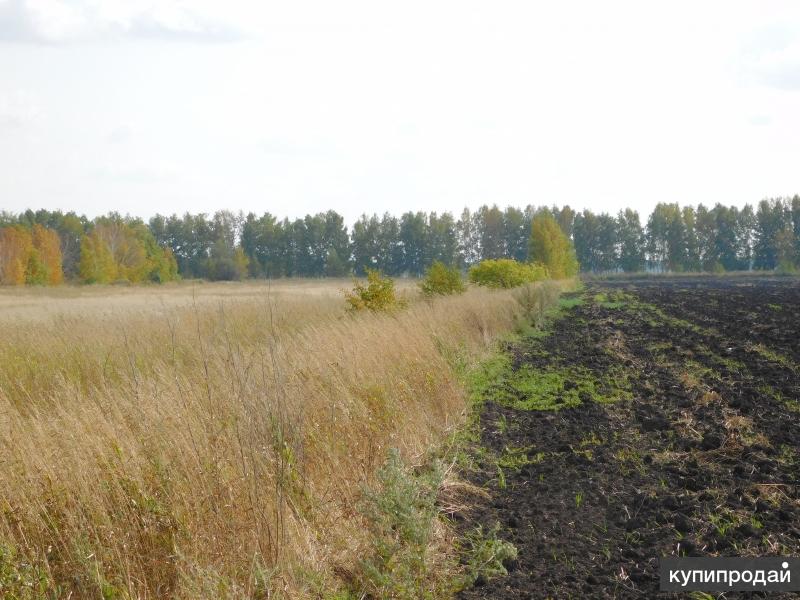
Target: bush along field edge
{"x": 418, "y": 549}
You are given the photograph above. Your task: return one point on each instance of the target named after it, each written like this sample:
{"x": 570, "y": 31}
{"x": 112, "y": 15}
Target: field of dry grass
{"x": 211, "y": 441}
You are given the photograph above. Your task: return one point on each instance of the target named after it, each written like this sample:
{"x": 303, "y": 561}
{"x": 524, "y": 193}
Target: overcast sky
{"x": 296, "y": 107}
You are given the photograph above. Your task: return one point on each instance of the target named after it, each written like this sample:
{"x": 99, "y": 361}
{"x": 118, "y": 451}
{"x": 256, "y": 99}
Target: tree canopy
{"x": 48, "y": 247}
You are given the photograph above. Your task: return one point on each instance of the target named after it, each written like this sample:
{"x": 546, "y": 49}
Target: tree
{"x": 48, "y": 246}
{"x": 565, "y": 217}
{"x": 516, "y": 232}
{"x": 366, "y": 251}
{"x": 389, "y": 246}
{"x": 692, "y": 256}
{"x": 726, "y": 220}
{"x": 770, "y": 221}
{"x": 97, "y": 262}
{"x": 336, "y": 244}
{"x": 263, "y": 240}
{"x": 596, "y": 241}
{"x": 586, "y": 235}
{"x": 784, "y": 247}
{"x": 442, "y": 243}
{"x": 30, "y": 256}
{"x": 15, "y": 251}
{"x": 745, "y": 227}
{"x": 124, "y": 249}
{"x": 468, "y": 242}
{"x": 666, "y": 238}
{"x": 490, "y": 232}
{"x": 706, "y": 236}
{"x": 550, "y": 247}
{"x": 607, "y": 243}
{"x": 414, "y": 236}
{"x": 630, "y": 236}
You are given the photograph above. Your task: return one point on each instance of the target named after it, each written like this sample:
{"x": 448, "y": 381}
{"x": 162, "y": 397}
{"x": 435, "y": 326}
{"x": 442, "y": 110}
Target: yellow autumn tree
{"x": 15, "y": 250}
{"x": 97, "y": 262}
{"x": 47, "y": 245}
{"x": 120, "y": 251}
{"x": 30, "y": 256}
{"x": 550, "y": 246}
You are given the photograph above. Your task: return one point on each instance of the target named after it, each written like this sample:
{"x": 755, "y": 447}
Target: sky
{"x": 168, "y": 106}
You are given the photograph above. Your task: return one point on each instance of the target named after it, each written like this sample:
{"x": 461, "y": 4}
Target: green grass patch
{"x": 555, "y": 388}
{"x": 612, "y": 300}
{"x": 516, "y": 458}
{"x": 569, "y": 303}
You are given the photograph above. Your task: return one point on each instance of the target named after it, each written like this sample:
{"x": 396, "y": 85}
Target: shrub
{"x": 377, "y": 294}
{"x": 401, "y": 512}
{"x": 506, "y": 273}
{"x": 442, "y": 280}
{"x": 537, "y": 299}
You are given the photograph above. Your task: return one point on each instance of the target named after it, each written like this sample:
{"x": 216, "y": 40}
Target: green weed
{"x": 487, "y": 556}
{"x": 19, "y": 578}
{"x": 401, "y": 512}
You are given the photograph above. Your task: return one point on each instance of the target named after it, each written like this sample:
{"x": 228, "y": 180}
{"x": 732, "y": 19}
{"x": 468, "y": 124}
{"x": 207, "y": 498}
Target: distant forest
{"x": 228, "y": 246}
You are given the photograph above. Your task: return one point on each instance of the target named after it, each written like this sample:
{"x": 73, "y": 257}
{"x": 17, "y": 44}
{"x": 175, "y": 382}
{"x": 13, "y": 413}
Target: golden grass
{"x": 210, "y": 441}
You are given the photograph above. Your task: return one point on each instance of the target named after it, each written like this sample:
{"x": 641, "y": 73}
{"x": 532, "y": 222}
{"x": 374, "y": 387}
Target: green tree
{"x": 552, "y": 248}
{"x": 771, "y": 219}
{"x": 565, "y": 217}
{"x": 442, "y": 242}
{"x": 630, "y": 236}
{"x": 745, "y": 232}
{"x": 414, "y": 236}
{"x": 366, "y": 249}
{"x": 689, "y": 218}
{"x": 389, "y": 246}
{"x": 490, "y": 232}
{"x": 607, "y": 247}
{"x": 706, "y": 236}
{"x": 666, "y": 238}
{"x": 586, "y": 234}
{"x": 516, "y": 232}
{"x": 726, "y": 220}
{"x": 468, "y": 240}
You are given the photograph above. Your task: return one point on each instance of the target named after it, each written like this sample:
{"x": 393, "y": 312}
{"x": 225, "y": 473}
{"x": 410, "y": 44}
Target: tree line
{"x": 50, "y": 246}
{"x": 716, "y": 239}
{"x": 47, "y": 247}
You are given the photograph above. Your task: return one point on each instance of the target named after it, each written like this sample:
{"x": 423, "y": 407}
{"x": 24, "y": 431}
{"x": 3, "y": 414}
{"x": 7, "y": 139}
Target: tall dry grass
{"x": 217, "y": 450}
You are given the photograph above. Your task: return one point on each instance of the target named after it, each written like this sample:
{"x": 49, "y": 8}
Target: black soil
{"x": 698, "y": 458}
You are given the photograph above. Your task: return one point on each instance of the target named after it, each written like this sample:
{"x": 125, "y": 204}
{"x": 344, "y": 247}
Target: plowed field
{"x": 653, "y": 418}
